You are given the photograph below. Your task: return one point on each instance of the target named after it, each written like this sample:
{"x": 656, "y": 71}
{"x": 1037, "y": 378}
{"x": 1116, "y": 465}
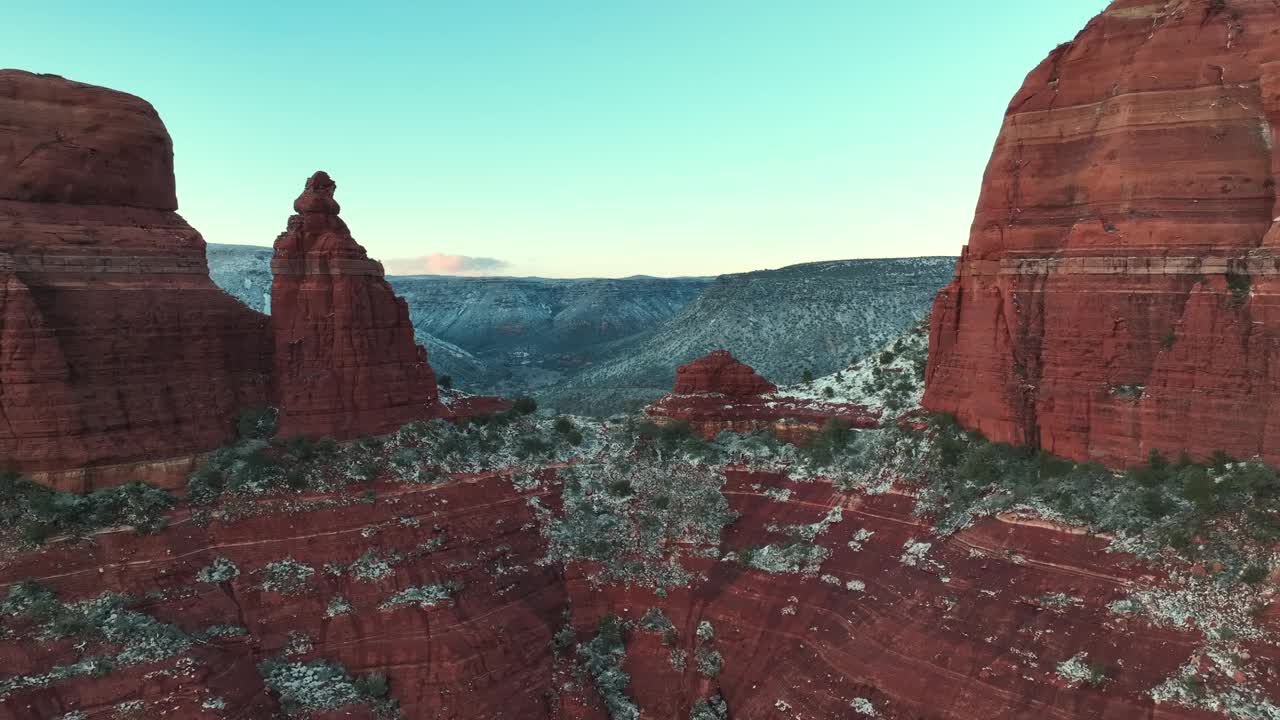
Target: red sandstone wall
{"x": 1090, "y": 314}
{"x": 115, "y": 345}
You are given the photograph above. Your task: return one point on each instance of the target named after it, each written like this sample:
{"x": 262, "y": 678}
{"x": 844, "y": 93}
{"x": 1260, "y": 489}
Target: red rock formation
{"x": 721, "y": 373}
{"x": 718, "y": 392}
{"x": 116, "y": 348}
{"x": 1119, "y": 292}
{"x": 346, "y": 363}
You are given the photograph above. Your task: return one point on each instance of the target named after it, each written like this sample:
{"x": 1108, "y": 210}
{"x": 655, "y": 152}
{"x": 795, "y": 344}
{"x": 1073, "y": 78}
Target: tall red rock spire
{"x": 1120, "y": 292}
{"x": 346, "y": 363}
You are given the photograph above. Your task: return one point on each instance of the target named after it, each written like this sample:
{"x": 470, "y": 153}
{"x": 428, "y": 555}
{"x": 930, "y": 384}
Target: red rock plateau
{"x": 115, "y": 346}
{"x": 346, "y": 363}
{"x": 718, "y": 392}
{"x": 971, "y": 627}
{"x": 1120, "y": 291}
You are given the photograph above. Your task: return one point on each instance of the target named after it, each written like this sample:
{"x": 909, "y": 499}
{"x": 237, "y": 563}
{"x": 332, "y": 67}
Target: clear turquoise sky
{"x": 595, "y": 137}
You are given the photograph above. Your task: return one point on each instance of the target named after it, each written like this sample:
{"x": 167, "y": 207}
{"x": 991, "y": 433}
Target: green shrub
{"x": 445, "y": 382}
{"x": 602, "y": 658}
{"x": 257, "y": 422}
{"x": 710, "y": 662}
{"x": 524, "y": 405}
{"x": 1239, "y": 284}
{"x": 287, "y": 576}
{"x": 1219, "y": 460}
{"x": 533, "y": 446}
{"x": 656, "y": 621}
{"x": 713, "y": 708}
{"x": 1198, "y": 487}
{"x": 133, "y": 637}
{"x": 670, "y": 437}
{"x": 566, "y": 429}
{"x": 564, "y": 638}
{"x": 1254, "y": 574}
{"x": 36, "y": 512}
{"x": 372, "y": 686}
{"x": 317, "y": 685}
{"x": 219, "y": 571}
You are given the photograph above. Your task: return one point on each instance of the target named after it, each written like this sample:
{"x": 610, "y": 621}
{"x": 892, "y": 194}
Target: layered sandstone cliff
{"x": 115, "y": 346}
{"x": 346, "y": 363}
{"x": 1118, "y": 294}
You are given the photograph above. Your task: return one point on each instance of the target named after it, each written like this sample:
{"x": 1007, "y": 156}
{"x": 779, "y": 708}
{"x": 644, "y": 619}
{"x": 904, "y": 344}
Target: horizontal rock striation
{"x": 115, "y": 347}
{"x": 1118, "y": 294}
{"x": 874, "y": 623}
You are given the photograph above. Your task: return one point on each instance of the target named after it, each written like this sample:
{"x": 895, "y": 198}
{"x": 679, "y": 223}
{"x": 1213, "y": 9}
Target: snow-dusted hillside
{"x": 598, "y": 346}
{"x": 815, "y": 318}
{"x": 889, "y": 379}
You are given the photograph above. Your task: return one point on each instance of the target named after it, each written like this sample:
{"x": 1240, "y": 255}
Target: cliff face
{"x": 346, "y": 363}
{"x": 1118, "y": 294}
{"x": 115, "y": 346}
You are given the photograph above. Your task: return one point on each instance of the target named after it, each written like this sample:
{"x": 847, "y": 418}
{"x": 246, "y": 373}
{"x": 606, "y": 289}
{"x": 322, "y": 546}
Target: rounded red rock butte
{"x": 115, "y": 346}
{"x": 720, "y": 372}
{"x": 1120, "y": 292}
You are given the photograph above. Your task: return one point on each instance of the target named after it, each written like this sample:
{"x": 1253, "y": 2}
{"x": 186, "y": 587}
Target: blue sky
{"x": 580, "y": 138}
